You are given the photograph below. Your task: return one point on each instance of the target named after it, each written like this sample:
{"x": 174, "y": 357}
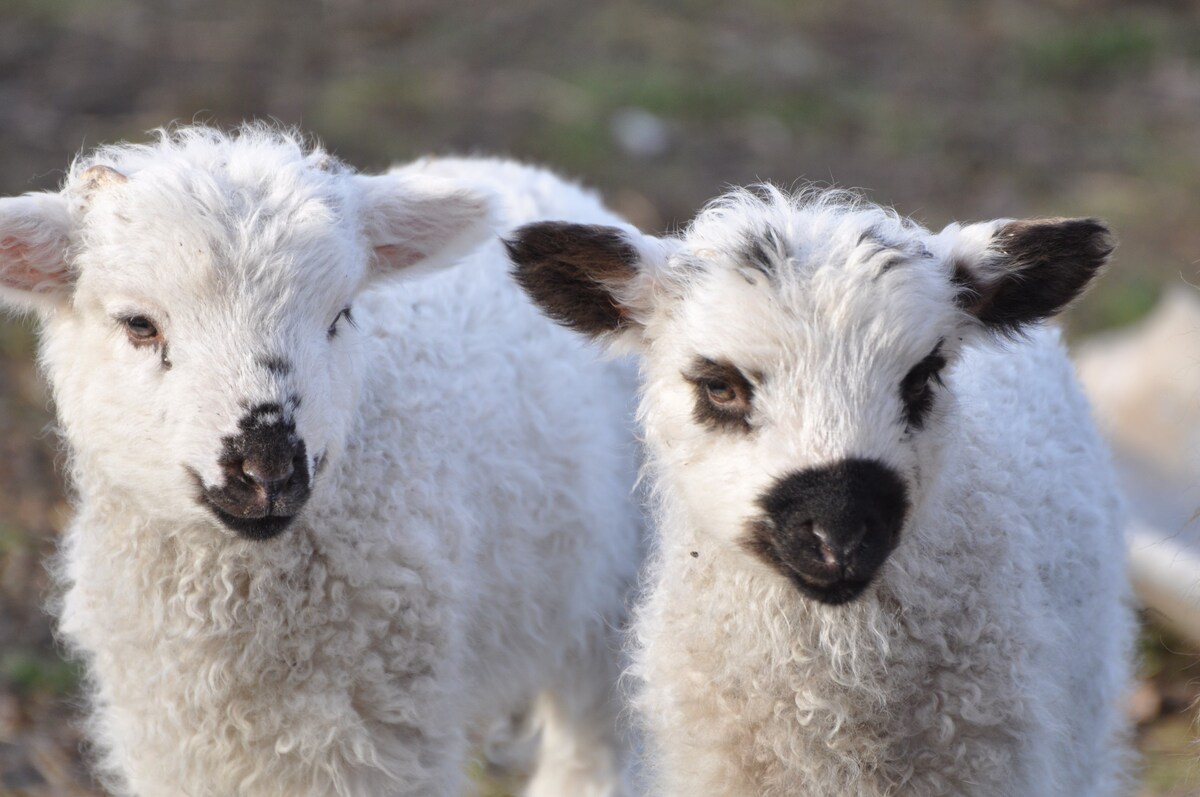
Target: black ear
{"x": 1031, "y": 270}
{"x": 575, "y": 272}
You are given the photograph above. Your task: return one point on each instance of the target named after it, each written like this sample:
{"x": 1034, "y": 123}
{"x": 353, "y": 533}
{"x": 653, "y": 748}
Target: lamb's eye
{"x": 916, "y": 389}
{"x": 723, "y": 395}
{"x": 720, "y": 392}
{"x": 345, "y": 313}
{"x": 141, "y": 330}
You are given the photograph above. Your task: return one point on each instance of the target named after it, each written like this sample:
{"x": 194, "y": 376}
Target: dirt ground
{"x": 946, "y": 111}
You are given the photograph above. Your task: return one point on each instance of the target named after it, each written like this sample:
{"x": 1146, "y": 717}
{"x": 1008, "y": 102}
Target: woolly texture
{"x": 462, "y": 562}
{"x": 989, "y": 653}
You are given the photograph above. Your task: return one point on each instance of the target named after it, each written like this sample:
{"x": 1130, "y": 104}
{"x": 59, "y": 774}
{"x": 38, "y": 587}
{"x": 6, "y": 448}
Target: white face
{"x": 827, "y": 352}
{"x": 792, "y": 351}
{"x": 169, "y": 345}
{"x": 200, "y": 334}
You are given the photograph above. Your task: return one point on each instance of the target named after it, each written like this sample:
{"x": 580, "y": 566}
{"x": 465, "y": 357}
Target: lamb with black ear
{"x": 337, "y": 514}
{"x": 889, "y": 555}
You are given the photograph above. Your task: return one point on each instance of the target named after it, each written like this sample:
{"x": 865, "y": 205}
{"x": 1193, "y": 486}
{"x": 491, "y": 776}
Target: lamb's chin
{"x": 255, "y": 529}
{"x": 832, "y": 593}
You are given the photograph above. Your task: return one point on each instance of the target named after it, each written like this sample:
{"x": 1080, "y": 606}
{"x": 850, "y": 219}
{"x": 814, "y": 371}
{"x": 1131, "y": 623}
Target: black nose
{"x": 265, "y": 469}
{"x": 830, "y": 529}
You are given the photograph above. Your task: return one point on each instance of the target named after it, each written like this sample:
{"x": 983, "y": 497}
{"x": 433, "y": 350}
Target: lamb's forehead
{"x": 254, "y": 168}
{"x": 770, "y": 272}
{"x": 199, "y": 207}
{"x": 788, "y": 237}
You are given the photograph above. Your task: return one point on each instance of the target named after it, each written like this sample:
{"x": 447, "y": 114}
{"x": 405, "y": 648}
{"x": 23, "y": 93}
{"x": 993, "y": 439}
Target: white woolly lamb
{"x": 329, "y": 524}
{"x": 889, "y": 556}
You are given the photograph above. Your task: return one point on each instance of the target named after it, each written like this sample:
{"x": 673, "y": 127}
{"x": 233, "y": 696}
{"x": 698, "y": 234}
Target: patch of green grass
{"x": 487, "y": 785}
{"x": 1115, "y": 303}
{"x": 662, "y": 91}
{"x": 31, "y": 673}
{"x": 1171, "y": 765}
{"x": 575, "y": 146}
{"x": 345, "y": 104}
{"x": 1169, "y": 746}
{"x": 54, "y": 11}
{"x": 18, "y": 338}
{"x": 680, "y": 94}
{"x": 1164, "y": 654}
{"x": 13, "y": 539}
{"x": 1087, "y": 50}
{"x": 382, "y": 89}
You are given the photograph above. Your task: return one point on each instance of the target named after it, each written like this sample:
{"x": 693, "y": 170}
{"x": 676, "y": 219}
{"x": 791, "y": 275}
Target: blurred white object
{"x": 1167, "y": 577}
{"x": 1144, "y": 383}
{"x": 640, "y": 133}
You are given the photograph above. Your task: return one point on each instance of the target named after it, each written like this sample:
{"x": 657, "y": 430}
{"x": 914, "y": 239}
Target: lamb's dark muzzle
{"x": 266, "y": 475}
{"x": 830, "y": 529}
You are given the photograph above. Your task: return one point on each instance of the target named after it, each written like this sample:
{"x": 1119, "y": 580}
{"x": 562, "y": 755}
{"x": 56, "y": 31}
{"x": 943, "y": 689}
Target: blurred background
{"x": 944, "y": 110}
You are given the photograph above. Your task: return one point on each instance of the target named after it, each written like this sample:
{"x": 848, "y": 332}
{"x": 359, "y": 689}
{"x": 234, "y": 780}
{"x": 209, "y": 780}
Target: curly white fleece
{"x": 991, "y": 653}
{"x": 470, "y": 536}
{"x": 989, "y": 659}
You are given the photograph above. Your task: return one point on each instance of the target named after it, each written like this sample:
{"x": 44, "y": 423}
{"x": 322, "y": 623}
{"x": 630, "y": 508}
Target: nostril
{"x": 827, "y": 547}
{"x": 826, "y": 554}
{"x": 268, "y": 475}
{"x": 239, "y": 473}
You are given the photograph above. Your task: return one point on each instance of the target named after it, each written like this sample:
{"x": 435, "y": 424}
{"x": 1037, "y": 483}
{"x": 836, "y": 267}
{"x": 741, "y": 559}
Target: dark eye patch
{"x": 917, "y": 388}
{"x": 724, "y": 396}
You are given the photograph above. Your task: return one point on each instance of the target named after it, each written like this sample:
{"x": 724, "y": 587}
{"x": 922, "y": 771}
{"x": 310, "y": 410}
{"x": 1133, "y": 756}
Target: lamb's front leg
{"x": 584, "y": 744}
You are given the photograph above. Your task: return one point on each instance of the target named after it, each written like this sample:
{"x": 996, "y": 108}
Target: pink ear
{"x": 422, "y": 222}
{"x": 33, "y": 244}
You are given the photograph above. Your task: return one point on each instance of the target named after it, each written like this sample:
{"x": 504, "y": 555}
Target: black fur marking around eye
{"x": 724, "y": 396}
{"x": 917, "y": 388}
{"x": 165, "y": 357}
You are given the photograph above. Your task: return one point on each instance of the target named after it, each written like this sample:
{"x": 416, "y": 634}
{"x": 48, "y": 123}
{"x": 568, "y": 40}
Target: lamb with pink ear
{"x": 347, "y": 506}
{"x": 889, "y": 556}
